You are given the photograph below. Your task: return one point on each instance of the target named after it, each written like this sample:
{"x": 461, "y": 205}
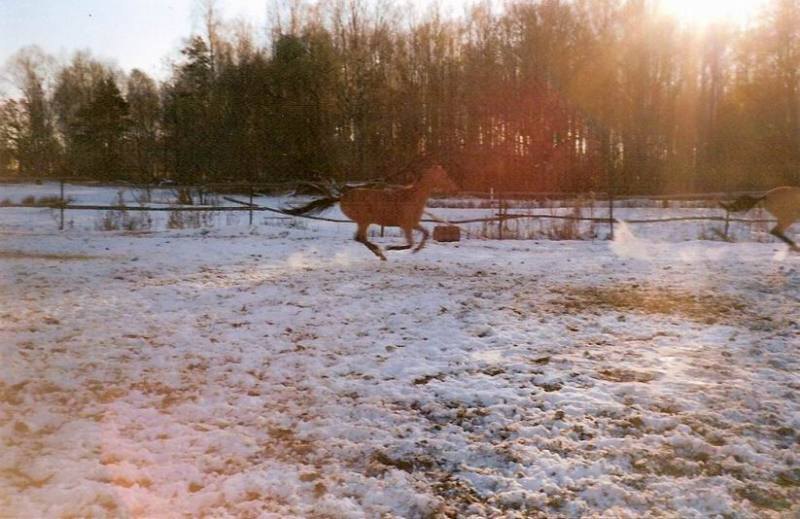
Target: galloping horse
{"x": 782, "y": 202}
{"x": 390, "y": 207}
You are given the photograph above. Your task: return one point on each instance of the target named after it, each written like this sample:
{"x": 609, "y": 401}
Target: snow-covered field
{"x": 282, "y": 371}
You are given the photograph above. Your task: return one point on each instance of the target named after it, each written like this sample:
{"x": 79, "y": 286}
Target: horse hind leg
{"x": 778, "y": 232}
{"x": 409, "y": 241}
{"x": 361, "y": 237}
{"x": 425, "y": 235}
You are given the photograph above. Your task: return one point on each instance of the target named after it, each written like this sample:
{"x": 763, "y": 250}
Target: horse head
{"x": 438, "y": 180}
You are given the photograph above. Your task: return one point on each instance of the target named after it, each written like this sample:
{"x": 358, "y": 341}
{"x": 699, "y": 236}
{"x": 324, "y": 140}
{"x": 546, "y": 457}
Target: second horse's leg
{"x": 425, "y": 235}
{"x": 361, "y": 237}
{"x": 409, "y": 241}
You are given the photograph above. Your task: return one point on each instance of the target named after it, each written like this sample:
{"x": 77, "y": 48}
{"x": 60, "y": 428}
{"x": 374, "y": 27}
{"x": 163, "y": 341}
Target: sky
{"x": 132, "y": 33}
{"x": 145, "y": 33}
{"x": 700, "y": 12}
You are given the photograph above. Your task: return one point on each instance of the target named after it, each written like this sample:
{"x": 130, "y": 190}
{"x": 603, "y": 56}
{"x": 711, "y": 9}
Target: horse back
{"x": 783, "y": 202}
{"x": 393, "y": 207}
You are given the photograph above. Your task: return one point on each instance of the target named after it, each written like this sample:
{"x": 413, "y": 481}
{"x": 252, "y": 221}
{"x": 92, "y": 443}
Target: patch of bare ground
{"x": 704, "y": 308}
{"x": 625, "y": 375}
{"x": 13, "y": 255}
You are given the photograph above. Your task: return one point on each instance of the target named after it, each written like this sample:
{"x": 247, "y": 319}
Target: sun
{"x": 704, "y": 12}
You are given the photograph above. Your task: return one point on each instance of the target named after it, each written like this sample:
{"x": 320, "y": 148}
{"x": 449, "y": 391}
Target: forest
{"x": 537, "y": 96}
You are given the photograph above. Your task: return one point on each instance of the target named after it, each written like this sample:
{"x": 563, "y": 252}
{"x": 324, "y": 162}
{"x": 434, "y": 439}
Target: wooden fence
{"x": 498, "y": 202}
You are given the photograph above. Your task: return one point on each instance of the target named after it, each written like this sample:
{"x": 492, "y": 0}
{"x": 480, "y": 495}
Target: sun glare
{"x": 703, "y": 12}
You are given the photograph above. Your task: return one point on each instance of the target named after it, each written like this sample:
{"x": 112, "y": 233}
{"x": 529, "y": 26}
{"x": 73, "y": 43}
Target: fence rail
{"x": 499, "y": 201}
{"x": 287, "y": 186}
{"x": 500, "y": 217}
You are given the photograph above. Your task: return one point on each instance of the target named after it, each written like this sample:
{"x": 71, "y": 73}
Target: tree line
{"x": 547, "y": 95}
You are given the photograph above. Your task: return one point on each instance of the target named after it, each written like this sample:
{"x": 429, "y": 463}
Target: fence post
{"x": 611, "y": 213}
{"x": 251, "y": 206}
{"x": 501, "y": 215}
{"x": 609, "y": 166}
{"x": 727, "y": 223}
{"x": 61, "y": 204}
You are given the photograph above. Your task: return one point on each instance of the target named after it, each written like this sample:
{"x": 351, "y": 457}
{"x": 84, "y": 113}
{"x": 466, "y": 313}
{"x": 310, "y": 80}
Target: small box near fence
{"x": 446, "y": 233}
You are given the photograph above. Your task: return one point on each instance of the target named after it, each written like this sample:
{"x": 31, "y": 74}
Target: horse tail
{"x": 313, "y": 207}
{"x": 743, "y": 203}
{"x": 330, "y": 195}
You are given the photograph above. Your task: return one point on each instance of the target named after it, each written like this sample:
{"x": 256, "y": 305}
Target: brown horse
{"x": 390, "y": 207}
{"x": 782, "y": 202}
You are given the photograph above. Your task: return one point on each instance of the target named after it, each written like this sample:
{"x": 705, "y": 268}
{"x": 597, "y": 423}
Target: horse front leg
{"x": 425, "y": 235}
{"x": 778, "y": 231}
{"x": 361, "y": 237}
{"x": 409, "y": 240}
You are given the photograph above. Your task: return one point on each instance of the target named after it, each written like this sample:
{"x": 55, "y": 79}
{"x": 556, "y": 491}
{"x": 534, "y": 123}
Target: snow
{"x": 282, "y": 371}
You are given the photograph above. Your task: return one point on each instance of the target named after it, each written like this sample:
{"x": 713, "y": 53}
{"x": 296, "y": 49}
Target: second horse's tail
{"x": 743, "y": 203}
